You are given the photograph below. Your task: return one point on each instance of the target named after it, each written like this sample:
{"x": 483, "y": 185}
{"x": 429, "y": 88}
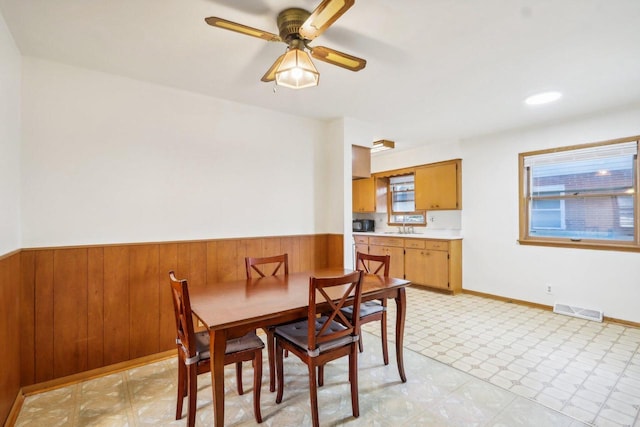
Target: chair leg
{"x": 239, "y": 377}
{"x": 257, "y": 384}
{"x": 182, "y": 387}
{"x": 353, "y": 379}
{"x": 320, "y": 375}
{"x": 271, "y": 355}
{"x": 385, "y": 350}
{"x": 313, "y": 394}
{"x": 193, "y": 391}
{"x": 360, "y": 346}
{"x": 279, "y": 371}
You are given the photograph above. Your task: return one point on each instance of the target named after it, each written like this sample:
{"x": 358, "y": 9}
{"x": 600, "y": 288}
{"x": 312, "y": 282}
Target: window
{"x": 581, "y": 196}
{"x": 548, "y": 214}
{"x": 402, "y": 204}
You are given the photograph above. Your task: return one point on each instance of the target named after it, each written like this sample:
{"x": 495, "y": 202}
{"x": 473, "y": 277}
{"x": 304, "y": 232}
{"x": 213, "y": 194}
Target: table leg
{"x": 401, "y": 308}
{"x": 217, "y": 347}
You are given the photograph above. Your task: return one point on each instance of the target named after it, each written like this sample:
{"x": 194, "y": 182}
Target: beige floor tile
{"x": 512, "y": 366}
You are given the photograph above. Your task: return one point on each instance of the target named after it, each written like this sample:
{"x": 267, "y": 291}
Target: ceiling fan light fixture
{"x": 382, "y": 145}
{"x": 296, "y": 70}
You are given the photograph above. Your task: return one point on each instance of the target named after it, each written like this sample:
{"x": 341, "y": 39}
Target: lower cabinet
{"x": 434, "y": 263}
{"x": 427, "y": 267}
{"x": 392, "y": 246}
{"x": 428, "y": 262}
{"x": 361, "y": 245}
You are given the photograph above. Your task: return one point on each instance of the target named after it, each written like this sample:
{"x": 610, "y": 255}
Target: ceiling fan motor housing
{"x": 289, "y": 23}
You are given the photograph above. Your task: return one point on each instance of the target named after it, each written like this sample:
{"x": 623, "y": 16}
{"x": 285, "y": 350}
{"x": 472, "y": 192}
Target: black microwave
{"x": 364, "y": 225}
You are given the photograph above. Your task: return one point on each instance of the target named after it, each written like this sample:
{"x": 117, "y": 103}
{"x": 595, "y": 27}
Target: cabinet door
{"x": 414, "y": 265}
{"x": 360, "y": 162}
{"x": 436, "y": 187}
{"x": 363, "y": 197}
{"x": 437, "y": 269}
{"x": 396, "y": 260}
{"x": 427, "y": 267}
{"x": 362, "y": 247}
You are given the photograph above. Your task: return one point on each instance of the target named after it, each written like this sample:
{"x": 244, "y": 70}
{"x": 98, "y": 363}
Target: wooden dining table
{"x": 232, "y": 309}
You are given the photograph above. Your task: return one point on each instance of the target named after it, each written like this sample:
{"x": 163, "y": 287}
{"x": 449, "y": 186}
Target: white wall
{"x": 493, "y": 261}
{"x": 109, "y": 159}
{"x": 428, "y": 153}
{"x": 10, "y": 64}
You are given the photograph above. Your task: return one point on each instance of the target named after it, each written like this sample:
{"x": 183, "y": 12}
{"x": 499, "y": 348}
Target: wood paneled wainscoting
{"x": 9, "y": 332}
{"x": 83, "y": 308}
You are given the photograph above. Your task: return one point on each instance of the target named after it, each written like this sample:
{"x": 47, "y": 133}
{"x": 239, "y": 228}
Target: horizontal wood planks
{"x": 10, "y": 327}
{"x": 84, "y": 308}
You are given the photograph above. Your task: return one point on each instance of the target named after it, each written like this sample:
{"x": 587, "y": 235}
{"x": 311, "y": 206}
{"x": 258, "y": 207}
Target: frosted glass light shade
{"x": 296, "y": 70}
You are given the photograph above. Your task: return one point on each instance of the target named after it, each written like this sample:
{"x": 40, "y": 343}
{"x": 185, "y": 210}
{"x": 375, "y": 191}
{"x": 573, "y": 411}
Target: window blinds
{"x": 582, "y": 154}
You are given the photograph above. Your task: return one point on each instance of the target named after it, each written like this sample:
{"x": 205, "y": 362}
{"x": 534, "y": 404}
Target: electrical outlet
{"x": 547, "y": 289}
{"x": 432, "y": 219}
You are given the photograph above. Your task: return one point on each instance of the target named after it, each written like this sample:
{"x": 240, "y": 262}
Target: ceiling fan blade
{"x": 242, "y": 29}
{"x": 338, "y": 58}
{"x": 270, "y": 75}
{"x": 323, "y": 16}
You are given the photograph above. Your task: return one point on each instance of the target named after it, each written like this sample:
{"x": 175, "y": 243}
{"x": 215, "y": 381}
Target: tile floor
{"x": 585, "y": 369}
{"x": 488, "y": 363}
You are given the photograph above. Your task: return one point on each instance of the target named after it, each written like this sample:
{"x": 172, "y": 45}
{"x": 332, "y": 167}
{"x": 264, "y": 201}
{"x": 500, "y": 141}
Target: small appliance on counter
{"x": 364, "y": 225}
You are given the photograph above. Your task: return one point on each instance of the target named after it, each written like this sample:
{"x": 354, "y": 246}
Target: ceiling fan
{"x": 297, "y": 28}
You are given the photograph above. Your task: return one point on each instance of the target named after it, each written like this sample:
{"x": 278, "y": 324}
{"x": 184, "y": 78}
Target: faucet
{"x": 406, "y": 229}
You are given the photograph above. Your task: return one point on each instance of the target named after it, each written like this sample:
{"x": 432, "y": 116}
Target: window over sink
{"x": 402, "y": 201}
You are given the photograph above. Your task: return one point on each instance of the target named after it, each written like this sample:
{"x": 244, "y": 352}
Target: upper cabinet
{"x": 438, "y": 186}
{"x": 360, "y": 162}
{"x": 364, "y": 195}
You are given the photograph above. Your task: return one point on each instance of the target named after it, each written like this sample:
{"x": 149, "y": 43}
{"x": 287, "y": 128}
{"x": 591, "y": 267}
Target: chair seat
{"x": 297, "y": 334}
{"x": 366, "y": 309}
{"x": 246, "y": 342}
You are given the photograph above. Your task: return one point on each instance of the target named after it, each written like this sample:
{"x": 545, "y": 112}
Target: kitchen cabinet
{"x": 434, "y": 263}
{"x": 392, "y": 246}
{"x": 360, "y": 162}
{"x": 364, "y": 195}
{"x": 361, "y": 244}
{"x": 438, "y": 186}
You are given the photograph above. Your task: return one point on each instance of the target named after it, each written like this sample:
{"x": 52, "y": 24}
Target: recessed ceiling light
{"x": 543, "y": 98}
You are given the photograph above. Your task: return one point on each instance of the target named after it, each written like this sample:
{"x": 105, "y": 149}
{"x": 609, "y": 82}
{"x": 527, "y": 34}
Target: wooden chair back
{"x": 184, "y": 318}
{"x": 336, "y": 293}
{"x": 260, "y": 264}
{"x": 368, "y": 262}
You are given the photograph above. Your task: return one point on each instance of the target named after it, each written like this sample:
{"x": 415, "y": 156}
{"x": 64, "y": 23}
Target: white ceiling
{"x": 437, "y": 70}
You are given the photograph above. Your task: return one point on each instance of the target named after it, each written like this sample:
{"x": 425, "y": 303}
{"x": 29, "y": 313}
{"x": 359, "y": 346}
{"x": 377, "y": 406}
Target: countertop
{"x": 426, "y": 234}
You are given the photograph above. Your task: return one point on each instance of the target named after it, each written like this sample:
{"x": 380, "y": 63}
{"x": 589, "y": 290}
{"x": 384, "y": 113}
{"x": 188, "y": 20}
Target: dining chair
{"x": 260, "y": 265}
{"x": 372, "y": 311}
{"x": 321, "y": 338}
{"x": 193, "y": 354}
